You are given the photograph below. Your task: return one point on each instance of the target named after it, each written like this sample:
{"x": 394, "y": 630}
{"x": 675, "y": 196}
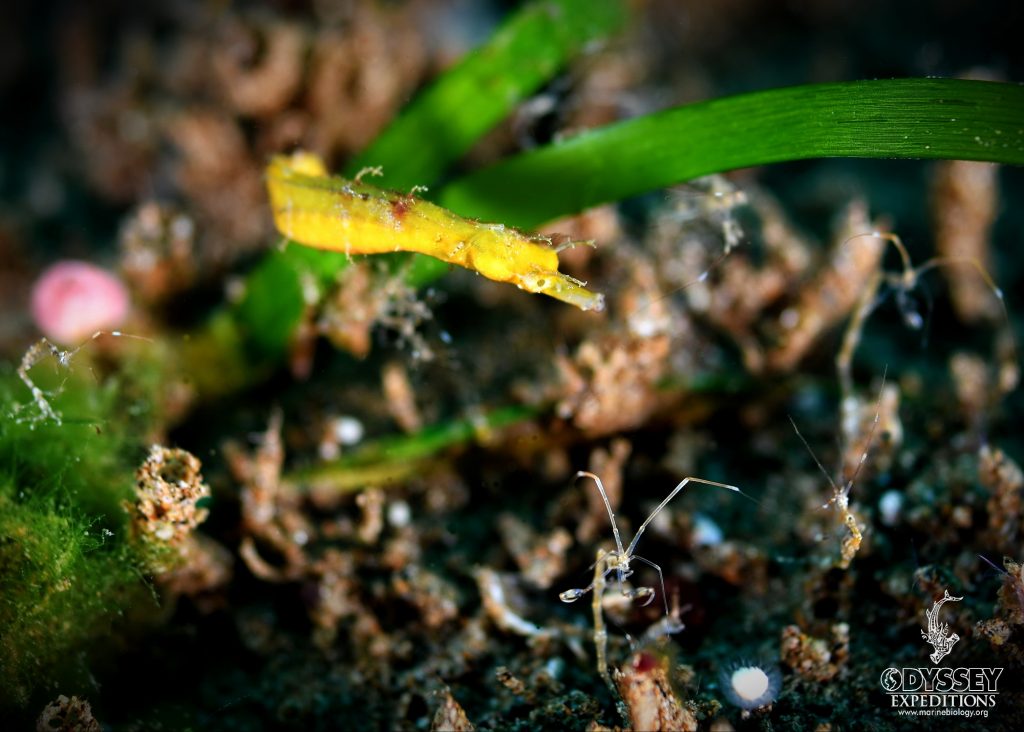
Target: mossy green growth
{"x": 68, "y": 571}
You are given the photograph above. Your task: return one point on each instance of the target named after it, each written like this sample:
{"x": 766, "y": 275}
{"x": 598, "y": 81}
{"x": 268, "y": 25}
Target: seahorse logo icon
{"x": 937, "y": 633}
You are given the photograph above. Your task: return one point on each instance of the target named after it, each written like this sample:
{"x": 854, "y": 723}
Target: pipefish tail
{"x": 329, "y": 212}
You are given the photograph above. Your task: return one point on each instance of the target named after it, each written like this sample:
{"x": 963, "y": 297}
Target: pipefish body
{"x": 328, "y": 212}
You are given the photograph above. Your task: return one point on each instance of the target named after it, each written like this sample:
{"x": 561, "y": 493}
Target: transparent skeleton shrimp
{"x": 841, "y": 495}
{"x": 618, "y": 560}
{"x": 718, "y": 202}
{"x": 903, "y": 283}
{"x": 45, "y": 347}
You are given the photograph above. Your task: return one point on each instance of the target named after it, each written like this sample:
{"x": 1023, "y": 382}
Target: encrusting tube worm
{"x": 328, "y": 212}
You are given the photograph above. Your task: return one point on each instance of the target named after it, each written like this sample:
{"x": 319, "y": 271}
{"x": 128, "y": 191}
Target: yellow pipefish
{"x": 329, "y": 212}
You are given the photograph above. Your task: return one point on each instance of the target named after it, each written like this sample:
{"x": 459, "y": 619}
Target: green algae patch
{"x": 67, "y": 569}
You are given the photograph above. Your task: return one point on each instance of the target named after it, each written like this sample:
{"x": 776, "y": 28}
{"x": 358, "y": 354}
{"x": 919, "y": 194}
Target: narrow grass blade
{"x": 392, "y": 459}
{"x": 897, "y": 118}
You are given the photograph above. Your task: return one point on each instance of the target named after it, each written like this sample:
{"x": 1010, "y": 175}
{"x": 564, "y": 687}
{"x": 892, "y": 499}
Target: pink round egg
{"x": 73, "y": 299}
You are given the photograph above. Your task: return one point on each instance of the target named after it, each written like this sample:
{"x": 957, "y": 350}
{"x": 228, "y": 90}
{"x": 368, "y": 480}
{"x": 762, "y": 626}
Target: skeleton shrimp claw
{"x": 571, "y": 595}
